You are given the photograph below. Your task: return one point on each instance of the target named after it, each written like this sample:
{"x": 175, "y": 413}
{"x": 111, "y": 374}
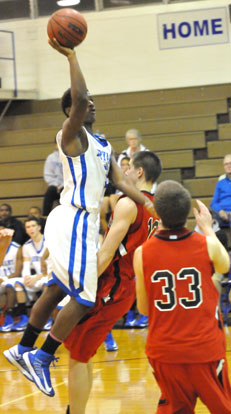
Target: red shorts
{"x": 182, "y": 384}
{"x": 89, "y": 334}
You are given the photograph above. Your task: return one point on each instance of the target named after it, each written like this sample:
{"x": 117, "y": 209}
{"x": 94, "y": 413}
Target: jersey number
{"x": 168, "y": 290}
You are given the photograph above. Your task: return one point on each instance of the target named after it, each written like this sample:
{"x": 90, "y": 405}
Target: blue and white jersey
{"x": 86, "y": 176}
{"x": 9, "y": 262}
{"x": 34, "y": 252}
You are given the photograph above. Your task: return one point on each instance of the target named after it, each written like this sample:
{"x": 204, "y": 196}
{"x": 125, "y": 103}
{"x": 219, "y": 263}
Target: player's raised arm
{"x": 74, "y": 140}
{"x": 217, "y": 252}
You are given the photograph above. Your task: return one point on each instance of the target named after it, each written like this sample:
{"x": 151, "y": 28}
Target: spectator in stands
{"x": 10, "y": 222}
{"x": 125, "y": 163}
{"x": 33, "y": 279}
{"x": 53, "y": 175}
{"x": 221, "y": 202}
{"x": 10, "y": 273}
{"x": 222, "y": 236}
{"x": 133, "y": 139}
{"x": 35, "y": 211}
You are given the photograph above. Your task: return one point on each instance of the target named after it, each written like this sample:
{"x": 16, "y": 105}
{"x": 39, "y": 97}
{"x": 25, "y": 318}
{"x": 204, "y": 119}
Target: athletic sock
{"x": 21, "y": 309}
{"x": 51, "y": 344}
{"x": 10, "y": 311}
{"x": 30, "y": 335}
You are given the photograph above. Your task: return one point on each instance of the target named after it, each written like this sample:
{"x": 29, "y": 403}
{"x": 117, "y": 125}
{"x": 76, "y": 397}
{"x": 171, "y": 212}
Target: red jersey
{"x": 143, "y": 227}
{"x": 116, "y": 291}
{"x": 184, "y": 321}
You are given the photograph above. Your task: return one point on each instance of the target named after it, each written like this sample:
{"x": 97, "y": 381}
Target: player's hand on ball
{"x": 61, "y": 49}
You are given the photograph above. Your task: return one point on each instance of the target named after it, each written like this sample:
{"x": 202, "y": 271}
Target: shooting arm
{"x": 74, "y": 140}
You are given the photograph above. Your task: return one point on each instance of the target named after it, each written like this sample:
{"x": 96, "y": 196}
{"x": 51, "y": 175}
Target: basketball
{"x": 68, "y": 26}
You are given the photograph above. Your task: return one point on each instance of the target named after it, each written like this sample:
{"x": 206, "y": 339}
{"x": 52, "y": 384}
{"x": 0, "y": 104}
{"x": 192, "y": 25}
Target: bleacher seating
{"x": 173, "y": 122}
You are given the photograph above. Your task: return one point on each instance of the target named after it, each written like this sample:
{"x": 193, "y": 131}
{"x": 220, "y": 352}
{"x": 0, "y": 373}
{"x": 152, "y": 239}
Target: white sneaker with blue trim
{"x": 14, "y": 356}
{"x": 38, "y": 363}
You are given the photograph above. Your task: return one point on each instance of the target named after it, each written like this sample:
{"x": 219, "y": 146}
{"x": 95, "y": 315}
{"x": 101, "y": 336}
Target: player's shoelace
{"x": 44, "y": 362}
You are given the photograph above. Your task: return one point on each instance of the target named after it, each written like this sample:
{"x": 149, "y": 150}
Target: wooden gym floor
{"x": 123, "y": 381}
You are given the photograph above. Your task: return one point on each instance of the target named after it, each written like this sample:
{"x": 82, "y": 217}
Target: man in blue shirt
{"x": 221, "y": 202}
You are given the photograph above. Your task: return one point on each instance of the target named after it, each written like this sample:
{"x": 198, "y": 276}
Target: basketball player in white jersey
{"x": 5, "y": 240}
{"x": 71, "y": 230}
{"x": 10, "y": 273}
{"x": 8, "y": 267}
{"x": 33, "y": 278}
{"x": 23, "y": 290}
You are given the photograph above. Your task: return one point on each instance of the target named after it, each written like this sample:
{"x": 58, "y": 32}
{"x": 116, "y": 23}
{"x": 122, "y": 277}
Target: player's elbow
{"x": 83, "y": 100}
{"x": 223, "y": 264}
{"x": 223, "y": 268}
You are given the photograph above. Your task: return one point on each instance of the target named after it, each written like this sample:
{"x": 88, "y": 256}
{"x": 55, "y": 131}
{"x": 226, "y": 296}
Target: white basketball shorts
{"x": 70, "y": 236}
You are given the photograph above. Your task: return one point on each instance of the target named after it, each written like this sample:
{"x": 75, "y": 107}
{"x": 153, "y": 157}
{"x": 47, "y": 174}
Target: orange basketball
{"x": 68, "y": 26}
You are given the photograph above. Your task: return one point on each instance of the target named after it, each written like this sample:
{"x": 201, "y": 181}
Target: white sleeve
{"x": 26, "y": 268}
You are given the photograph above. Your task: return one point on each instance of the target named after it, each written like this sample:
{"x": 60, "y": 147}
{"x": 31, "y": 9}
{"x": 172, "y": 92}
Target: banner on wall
{"x": 193, "y": 28}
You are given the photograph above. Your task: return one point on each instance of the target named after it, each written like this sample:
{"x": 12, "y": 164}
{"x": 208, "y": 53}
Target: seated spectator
{"x": 10, "y": 222}
{"x": 35, "y": 211}
{"x": 221, "y": 202}
{"x": 53, "y": 175}
{"x": 133, "y": 139}
{"x": 221, "y": 177}
{"x": 222, "y": 236}
{"x": 10, "y": 273}
{"x": 33, "y": 280}
{"x": 125, "y": 163}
